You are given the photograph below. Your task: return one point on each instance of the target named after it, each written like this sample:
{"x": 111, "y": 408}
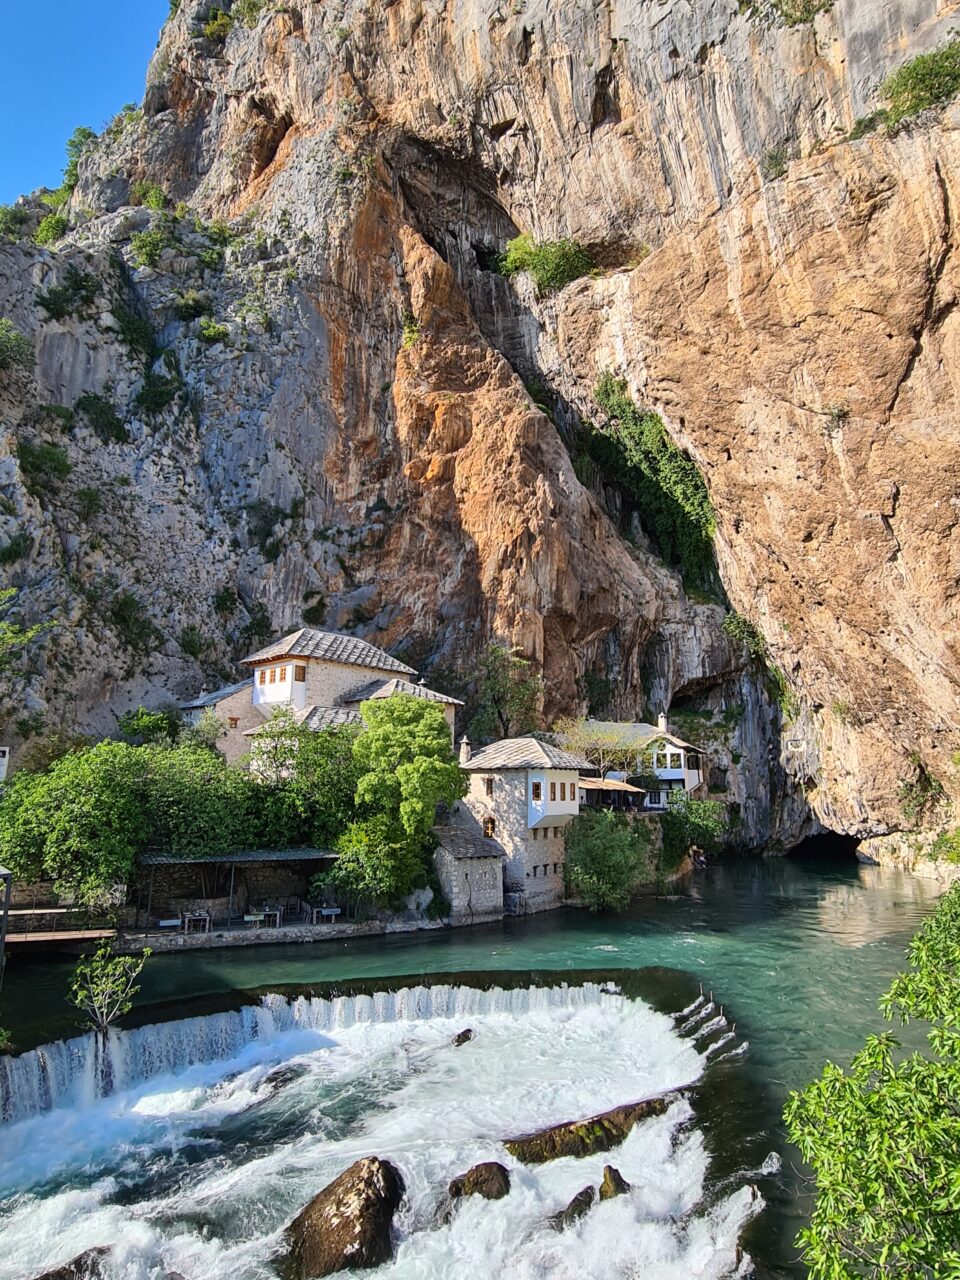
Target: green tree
{"x": 13, "y": 638}
{"x": 206, "y": 731}
{"x": 609, "y": 749}
{"x": 195, "y": 804}
{"x": 688, "y": 822}
{"x": 606, "y": 857}
{"x": 81, "y": 823}
{"x": 104, "y": 985}
{"x": 161, "y": 726}
{"x": 378, "y": 861}
{"x": 883, "y": 1135}
{"x": 510, "y": 695}
{"x": 405, "y": 756}
{"x": 44, "y": 752}
{"x": 16, "y": 352}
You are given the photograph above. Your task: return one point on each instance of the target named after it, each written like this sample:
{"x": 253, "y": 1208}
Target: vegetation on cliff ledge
{"x": 883, "y": 1134}
{"x": 551, "y": 265}
{"x": 666, "y": 485}
{"x": 925, "y": 81}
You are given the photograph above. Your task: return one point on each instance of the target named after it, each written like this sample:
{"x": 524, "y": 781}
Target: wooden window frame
{"x": 553, "y": 791}
{"x": 263, "y": 675}
{"x": 273, "y": 675}
{"x": 536, "y": 790}
{"x": 488, "y": 787}
{"x": 300, "y": 674}
{"x": 281, "y": 675}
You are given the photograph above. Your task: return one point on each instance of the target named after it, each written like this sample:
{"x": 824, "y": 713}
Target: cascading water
{"x": 191, "y": 1144}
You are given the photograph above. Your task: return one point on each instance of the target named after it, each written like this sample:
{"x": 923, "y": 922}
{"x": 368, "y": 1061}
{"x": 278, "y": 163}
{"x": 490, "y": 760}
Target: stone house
{"x": 470, "y": 869}
{"x": 661, "y": 755}
{"x": 322, "y": 676}
{"x": 523, "y": 793}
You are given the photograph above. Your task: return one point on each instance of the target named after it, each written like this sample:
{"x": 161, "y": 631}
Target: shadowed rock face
{"x": 586, "y": 1137}
{"x": 362, "y": 444}
{"x": 490, "y": 1180}
{"x": 581, "y": 1203}
{"x": 347, "y": 1224}
{"x": 85, "y": 1266}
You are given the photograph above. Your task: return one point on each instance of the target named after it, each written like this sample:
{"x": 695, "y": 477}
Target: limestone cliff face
{"x": 362, "y": 446}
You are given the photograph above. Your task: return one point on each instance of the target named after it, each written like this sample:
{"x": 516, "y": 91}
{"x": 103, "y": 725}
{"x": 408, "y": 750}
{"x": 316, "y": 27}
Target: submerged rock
{"x": 280, "y": 1077}
{"x": 490, "y": 1180}
{"x": 613, "y": 1184}
{"x": 347, "y": 1224}
{"x": 463, "y": 1037}
{"x": 85, "y": 1266}
{"x": 578, "y": 1206}
{"x": 586, "y": 1137}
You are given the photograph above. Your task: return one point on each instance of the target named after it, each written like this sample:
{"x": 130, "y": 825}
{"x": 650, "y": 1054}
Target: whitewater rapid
{"x": 188, "y": 1146}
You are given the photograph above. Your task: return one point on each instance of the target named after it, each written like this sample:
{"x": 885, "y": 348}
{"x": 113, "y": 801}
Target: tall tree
{"x": 606, "y": 857}
{"x": 510, "y": 694}
{"x": 608, "y": 748}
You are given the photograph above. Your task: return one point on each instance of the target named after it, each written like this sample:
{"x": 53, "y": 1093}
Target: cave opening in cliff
{"x": 832, "y": 845}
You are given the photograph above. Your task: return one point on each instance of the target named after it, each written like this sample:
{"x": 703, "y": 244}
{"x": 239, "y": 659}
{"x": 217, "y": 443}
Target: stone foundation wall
{"x": 472, "y": 886}
{"x": 133, "y": 944}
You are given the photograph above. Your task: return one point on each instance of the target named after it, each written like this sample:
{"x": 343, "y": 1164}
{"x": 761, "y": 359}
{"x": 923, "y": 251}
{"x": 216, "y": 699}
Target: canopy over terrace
{"x": 231, "y": 860}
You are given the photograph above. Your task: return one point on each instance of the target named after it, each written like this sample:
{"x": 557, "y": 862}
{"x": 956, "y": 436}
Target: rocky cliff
{"x": 300, "y": 391}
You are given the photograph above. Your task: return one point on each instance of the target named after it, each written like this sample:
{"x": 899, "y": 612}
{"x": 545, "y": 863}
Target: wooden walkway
{"x": 61, "y": 935}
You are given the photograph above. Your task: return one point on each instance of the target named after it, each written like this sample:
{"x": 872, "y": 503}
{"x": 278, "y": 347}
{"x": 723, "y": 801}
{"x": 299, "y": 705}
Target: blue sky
{"x": 64, "y": 63}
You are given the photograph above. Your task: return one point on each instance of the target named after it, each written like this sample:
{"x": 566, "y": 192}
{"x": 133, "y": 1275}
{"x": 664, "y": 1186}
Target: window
{"x": 488, "y": 786}
{"x": 534, "y": 873}
{"x": 534, "y": 833}
{"x": 546, "y": 867}
{"x": 300, "y": 674}
{"x": 489, "y": 827}
{"x": 563, "y": 791}
{"x": 553, "y": 791}
{"x": 263, "y": 676}
{"x": 537, "y": 791}
{"x": 556, "y": 868}
{"x": 556, "y": 833}
{"x": 676, "y": 760}
{"x": 234, "y": 722}
{"x": 273, "y": 675}
{"x": 282, "y": 675}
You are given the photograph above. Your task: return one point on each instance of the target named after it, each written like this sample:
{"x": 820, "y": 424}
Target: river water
{"x": 196, "y": 1168}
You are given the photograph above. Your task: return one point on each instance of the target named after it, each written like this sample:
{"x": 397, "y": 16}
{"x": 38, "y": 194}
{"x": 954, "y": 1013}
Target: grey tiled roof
{"x": 308, "y": 643}
{"x": 316, "y": 718}
{"x": 640, "y": 733}
{"x": 464, "y": 844}
{"x": 388, "y": 687}
{"x": 218, "y": 695}
{"x": 244, "y": 855}
{"x": 524, "y": 753}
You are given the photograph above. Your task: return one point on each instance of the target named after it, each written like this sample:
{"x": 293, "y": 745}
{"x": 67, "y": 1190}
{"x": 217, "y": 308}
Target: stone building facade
{"x": 470, "y": 869}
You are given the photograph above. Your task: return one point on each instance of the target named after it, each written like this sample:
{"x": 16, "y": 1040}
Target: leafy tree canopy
{"x": 14, "y": 638}
{"x": 607, "y": 749}
{"x": 510, "y": 696}
{"x": 104, "y": 985}
{"x": 161, "y": 726}
{"x": 688, "y": 822}
{"x": 606, "y": 858}
{"x": 883, "y": 1135}
{"x": 378, "y": 862}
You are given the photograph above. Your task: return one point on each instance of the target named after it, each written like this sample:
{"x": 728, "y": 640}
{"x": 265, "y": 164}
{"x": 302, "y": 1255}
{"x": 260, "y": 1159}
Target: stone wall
{"x": 472, "y": 886}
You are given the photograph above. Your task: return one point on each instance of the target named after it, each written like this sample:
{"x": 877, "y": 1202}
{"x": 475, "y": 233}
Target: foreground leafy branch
{"x": 104, "y": 985}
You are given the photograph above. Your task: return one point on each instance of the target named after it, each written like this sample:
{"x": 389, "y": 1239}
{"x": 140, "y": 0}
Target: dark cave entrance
{"x": 830, "y": 846}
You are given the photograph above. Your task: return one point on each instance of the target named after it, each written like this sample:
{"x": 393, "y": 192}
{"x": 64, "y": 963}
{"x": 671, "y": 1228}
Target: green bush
{"x": 89, "y": 503}
{"x": 315, "y": 614}
{"x": 947, "y": 846}
{"x": 225, "y": 601}
{"x": 666, "y": 485}
{"x": 922, "y": 795}
{"x": 249, "y": 11}
{"x": 137, "y": 332}
{"x": 131, "y": 622}
{"x": 217, "y": 27}
{"x": 774, "y": 163}
{"x": 149, "y": 195}
{"x": 15, "y": 350}
{"x": 210, "y": 331}
{"x": 742, "y": 631}
{"x": 193, "y": 642}
{"x": 77, "y": 292}
{"x": 19, "y": 545}
{"x": 925, "y": 81}
{"x": 12, "y": 221}
{"x": 867, "y": 124}
{"x": 190, "y": 305}
{"x": 148, "y": 245}
{"x": 103, "y": 418}
{"x": 689, "y": 822}
{"x": 211, "y": 258}
{"x": 606, "y": 858}
{"x": 220, "y": 233}
{"x": 157, "y": 392}
{"x": 64, "y": 415}
{"x": 43, "y": 466}
{"x": 551, "y": 265}
{"x": 51, "y": 228}
{"x": 796, "y": 12}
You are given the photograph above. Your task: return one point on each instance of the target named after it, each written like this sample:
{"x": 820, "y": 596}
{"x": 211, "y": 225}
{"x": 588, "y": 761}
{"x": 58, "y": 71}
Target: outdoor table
{"x": 272, "y": 914}
{"x": 196, "y": 922}
{"x": 254, "y": 919}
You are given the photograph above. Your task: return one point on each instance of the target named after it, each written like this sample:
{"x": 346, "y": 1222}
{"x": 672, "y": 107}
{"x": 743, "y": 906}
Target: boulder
{"x": 463, "y": 1037}
{"x": 489, "y": 1180}
{"x": 85, "y": 1266}
{"x": 586, "y": 1137}
{"x": 347, "y": 1224}
{"x": 577, "y": 1207}
{"x": 613, "y": 1184}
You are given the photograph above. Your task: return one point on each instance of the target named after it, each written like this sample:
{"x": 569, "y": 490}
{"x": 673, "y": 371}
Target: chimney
{"x": 662, "y": 722}
{"x": 464, "y": 749}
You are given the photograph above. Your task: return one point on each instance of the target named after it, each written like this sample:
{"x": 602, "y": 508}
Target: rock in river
{"x": 577, "y": 1207}
{"x": 85, "y": 1266}
{"x": 489, "y": 1180}
{"x": 613, "y": 1184}
{"x": 347, "y": 1224}
{"x": 586, "y": 1137}
{"x": 463, "y": 1037}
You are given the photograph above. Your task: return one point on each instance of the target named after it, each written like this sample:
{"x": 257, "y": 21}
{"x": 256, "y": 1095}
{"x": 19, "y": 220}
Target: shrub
{"x": 210, "y": 331}
{"x": 190, "y": 305}
{"x": 19, "y": 545}
{"x": 665, "y": 484}
{"x": 12, "y": 220}
{"x": 211, "y": 258}
{"x": 147, "y": 246}
{"x": 411, "y": 330}
{"x": 75, "y": 294}
{"x": 922, "y": 795}
{"x": 137, "y": 332}
{"x": 220, "y": 233}
{"x": 742, "y": 632}
{"x": 149, "y": 195}
{"x": 131, "y": 622}
{"x": 64, "y": 415}
{"x": 315, "y": 614}
{"x": 249, "y": 11}
{"x": 925, "y": 81}
{"x": 174, "y": 8}
{"x": 103, "y": 418}
{"x": 43, "y": 466}
{"x": 688, "y": 823}
{"x": 795, "y": 12}
{"x": 867, "y": 124}
{"x": 947, "y": 846}
{"x": 15, "y": 350}
{"x": 217, "y": 27}
{"x": 551, "y": 265}
{"x": 606, "y": 856}
{"x": 78, "y": 144}
{"x": 89, "y": 504}
{"x": 51, "y": 228}
{"x": 156, "y": 393}
{"x": 225, "y": 601}
{"x": 193, "y": 643}
{"x": 774, "y": 163}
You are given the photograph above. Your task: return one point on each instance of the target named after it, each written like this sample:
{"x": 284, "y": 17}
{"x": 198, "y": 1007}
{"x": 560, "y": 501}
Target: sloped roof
{"x": 524, "y": 753}
{"x": 388, "y": 687}
{"x": 332, "y": 646}
{"x": 639, "y": 734}
{"x": 218, "y": 695}
{"x": 243, "y": 855}
{"x": 461, "y": 844}
{"x": 609, "y": 784}
{"x": 315, "y": 718}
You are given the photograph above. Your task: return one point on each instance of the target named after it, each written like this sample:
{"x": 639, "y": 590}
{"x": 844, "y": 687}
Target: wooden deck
{"x": 61, "y": 935}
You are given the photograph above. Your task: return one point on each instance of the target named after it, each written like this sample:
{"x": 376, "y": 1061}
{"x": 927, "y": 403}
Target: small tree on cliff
{"x": 510, "y": 695}
{"x": 104, "y": 985}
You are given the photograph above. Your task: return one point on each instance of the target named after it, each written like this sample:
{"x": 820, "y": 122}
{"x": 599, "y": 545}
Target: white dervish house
{"x": 322, "y": 676}
{"x": 660, "y": 754}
